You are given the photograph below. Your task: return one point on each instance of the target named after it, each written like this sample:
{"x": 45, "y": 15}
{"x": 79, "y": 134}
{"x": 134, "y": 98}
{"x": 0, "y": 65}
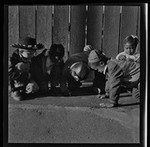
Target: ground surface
{"x": 76, "y": 119}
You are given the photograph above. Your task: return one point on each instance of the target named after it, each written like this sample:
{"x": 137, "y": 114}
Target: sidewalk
{"x": 76, "y": 119}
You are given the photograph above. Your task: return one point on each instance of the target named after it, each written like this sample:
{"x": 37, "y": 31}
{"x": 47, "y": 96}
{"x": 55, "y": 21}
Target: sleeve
{"x": 115, "y": 74}
{"x": 38, "y": 74}
{"x": 13, "y": 72}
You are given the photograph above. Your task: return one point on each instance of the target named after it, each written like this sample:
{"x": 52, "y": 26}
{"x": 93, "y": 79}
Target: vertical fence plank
{"x": 111, "y": 30}
{"x": 60, "y": 30}
{"x": 13, "y": 24}
{"x": 138, "y": 30}
{"x": 77, "y": 21}
{"x": 94, "y": 26}
{"x": 129, "y": 23}
{"x": 44, "y": 25}
{"x": 27, "y": 21}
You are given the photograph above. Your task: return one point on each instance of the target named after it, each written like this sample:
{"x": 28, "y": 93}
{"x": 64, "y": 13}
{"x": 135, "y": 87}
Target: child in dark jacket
{"x": 20, "y": 78}
{"x": 75, "y": 70}
{"x": 47, "y": 68}
{"x": 118, "y": 74}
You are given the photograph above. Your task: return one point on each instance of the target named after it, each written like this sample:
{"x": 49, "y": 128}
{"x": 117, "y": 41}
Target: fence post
{"x": 94, "y": 26}
{"x": 77, "y": 31}
{"x": 44, "y": 25}
{"x": 61, "y": 24}
{"x": 13, "y": 24}
{"x": 128, "y": 23}
{"x": 111, "y": 30}
{"x": 27, "y": 21}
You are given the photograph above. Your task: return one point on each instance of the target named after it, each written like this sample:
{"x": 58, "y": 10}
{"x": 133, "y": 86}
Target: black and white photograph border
{"x": 46, "y": 119}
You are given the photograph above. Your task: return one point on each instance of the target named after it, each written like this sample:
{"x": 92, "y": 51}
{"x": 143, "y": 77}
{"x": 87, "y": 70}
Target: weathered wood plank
{"x": 94, "y": 26}
{"x": 77, "y": 36}
{"x": 138, "y": 30}
{"x": 44, "y": 25}
{"x": 128, "y": 23}
{"x": 13, "y": 24}
{"x": 111, "y": 30}
{"x": 61, "y": 25}
{"x": 27, "y": 21}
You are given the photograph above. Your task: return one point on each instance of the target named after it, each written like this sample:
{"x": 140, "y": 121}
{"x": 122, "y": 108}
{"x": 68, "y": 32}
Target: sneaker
{"x": 16, "y": 95}
{"x": 107, "y": 105}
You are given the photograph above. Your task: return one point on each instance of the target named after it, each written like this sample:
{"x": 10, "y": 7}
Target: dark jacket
{"x": 40, "y": 68}
{"x": 66, "y": 76}
{"x": 14, "y": 73}
{"x": 66, "y": 69}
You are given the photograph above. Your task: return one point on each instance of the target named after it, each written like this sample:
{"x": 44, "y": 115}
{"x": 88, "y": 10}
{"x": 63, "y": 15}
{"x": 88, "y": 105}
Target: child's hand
{"x": 103, "y": 96}
{"x": 122, "y": 57}
{"x": 23, "y": 66}
{"x": 32, "y": 87}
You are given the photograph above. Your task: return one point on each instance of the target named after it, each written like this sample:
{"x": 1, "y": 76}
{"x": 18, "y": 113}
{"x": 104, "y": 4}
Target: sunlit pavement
{"x": 75, "y": 119}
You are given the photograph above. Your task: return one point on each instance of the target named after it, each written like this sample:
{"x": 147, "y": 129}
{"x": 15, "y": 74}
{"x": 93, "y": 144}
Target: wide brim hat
{"x": 28, "y": 43}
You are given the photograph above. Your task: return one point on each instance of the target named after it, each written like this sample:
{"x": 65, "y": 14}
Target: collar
{"x": 104, "y": 72}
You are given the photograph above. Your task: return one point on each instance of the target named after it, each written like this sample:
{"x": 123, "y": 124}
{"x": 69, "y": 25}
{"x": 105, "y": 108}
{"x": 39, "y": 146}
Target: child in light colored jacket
{"x": 129, "y": 54}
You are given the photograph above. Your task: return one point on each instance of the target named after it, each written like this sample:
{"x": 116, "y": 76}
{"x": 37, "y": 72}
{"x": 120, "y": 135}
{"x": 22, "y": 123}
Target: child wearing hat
{"x": 118, "y": 74}
{"x": 129, "y": 54}
{"x": 20, "y": 78}
{"x": 75, "y": 70}
{"x": 47, "y": 68}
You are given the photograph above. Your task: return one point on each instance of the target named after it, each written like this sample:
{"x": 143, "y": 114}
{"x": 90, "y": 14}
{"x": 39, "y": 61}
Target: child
{"x": 75, "y": 70}
{"x": 130, "y": 44}
{"x": 47, "y": 68}
{"x": 118, "y": 73}
{"x": 68, "y": 82}
{"x": 20, "y": 78}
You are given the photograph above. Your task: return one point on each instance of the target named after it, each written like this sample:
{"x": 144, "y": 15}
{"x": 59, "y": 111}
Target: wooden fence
{"x": 74, "y": 26}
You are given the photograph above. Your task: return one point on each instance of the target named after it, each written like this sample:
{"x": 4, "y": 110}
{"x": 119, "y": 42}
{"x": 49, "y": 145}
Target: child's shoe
{"x": 108, "y": 104}
{"x": 16, "y": 95}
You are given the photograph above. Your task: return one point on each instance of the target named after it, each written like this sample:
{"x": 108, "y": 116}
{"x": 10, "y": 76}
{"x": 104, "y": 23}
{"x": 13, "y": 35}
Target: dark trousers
{"x": 99, "y": 81}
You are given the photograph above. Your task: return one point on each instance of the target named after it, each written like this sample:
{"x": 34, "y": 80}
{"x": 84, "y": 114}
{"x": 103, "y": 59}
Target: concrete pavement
{"x": 76, "y": 119}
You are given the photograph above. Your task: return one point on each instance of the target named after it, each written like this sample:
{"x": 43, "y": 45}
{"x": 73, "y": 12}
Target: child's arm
{"x": 16, "y": 66}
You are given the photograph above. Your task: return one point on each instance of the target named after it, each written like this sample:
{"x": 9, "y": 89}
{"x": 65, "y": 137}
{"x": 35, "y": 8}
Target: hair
{"x": 57, "y": 50}
{"x": 133, "y": 40}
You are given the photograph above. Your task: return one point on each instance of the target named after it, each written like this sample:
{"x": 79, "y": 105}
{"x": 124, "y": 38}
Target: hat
{"x": 96, "y": 56}
{"x": 28, "y": 43}
{"x": 81, "y": 69}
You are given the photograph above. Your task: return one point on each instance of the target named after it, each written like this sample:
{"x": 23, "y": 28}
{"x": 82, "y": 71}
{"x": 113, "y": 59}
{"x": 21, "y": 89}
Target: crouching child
{"x": 47, "y": 69}
{"x": 20, "y": 78}
{"x": 118, "y": 74}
